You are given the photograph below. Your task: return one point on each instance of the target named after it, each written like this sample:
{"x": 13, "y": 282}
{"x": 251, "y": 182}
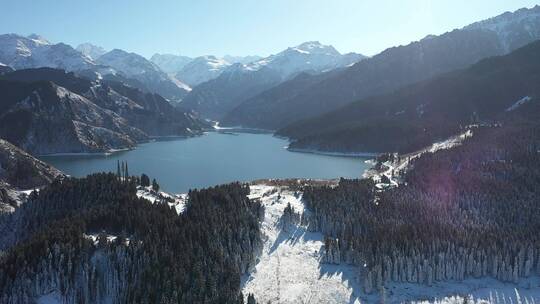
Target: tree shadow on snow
{"x": 291, "y": 234}
{"x": 349, "y": 277}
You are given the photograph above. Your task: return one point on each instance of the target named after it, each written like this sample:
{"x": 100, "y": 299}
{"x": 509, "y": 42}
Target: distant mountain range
{"x": 137, "y": 67}
{"x": 239, "y": 82}
{"x": 393, "y": 68}
{"x": 50, "y": 111}
{"x": 194, "y": 71}
{"x": 489, "y": 92}
{"x": 19, "y": 52}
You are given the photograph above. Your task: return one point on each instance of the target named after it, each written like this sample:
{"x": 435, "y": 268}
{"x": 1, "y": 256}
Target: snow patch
{"x": 451, "y": 142}
{"x": 176, "y": 201}
{"x": 519, "y": 103}
{"x": 94, "y": 237}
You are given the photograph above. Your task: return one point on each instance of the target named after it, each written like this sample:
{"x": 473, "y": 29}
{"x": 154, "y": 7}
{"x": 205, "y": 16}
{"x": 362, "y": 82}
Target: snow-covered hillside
{"x": 289, "y": 269}
{"x": 512, "y": 29}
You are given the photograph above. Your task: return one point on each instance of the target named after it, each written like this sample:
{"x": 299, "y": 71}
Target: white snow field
{"x": 288, "y": 270}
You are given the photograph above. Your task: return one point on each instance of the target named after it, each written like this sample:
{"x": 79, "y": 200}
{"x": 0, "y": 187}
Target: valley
{"x": 181, "y": 158}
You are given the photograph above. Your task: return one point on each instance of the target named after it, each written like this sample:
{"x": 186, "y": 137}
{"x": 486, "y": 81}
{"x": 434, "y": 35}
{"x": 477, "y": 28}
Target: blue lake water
{"x": 215, "y": 158}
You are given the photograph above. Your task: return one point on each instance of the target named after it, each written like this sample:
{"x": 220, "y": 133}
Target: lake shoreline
{"x": 214, "y": 159}
{"x": 334, "y": 153}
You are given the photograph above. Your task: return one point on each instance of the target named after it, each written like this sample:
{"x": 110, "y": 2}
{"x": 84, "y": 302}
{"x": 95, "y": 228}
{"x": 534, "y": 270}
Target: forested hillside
{"x": 92, "y": 240}
{"x": 468, "y": 212}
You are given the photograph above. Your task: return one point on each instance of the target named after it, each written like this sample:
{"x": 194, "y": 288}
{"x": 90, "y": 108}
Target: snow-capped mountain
{"x": 202, "y": 69}
{"x": 512, "y": 29}
{"x": 135, "y": 66}
{"x": 239, "y": 82}
{"x": 391, "y": 69}
{"x": 21, "y": 52}
{"x": 170, "y": 63}
{"x": 90, "y": 50}
{"x": 308, "y": 56}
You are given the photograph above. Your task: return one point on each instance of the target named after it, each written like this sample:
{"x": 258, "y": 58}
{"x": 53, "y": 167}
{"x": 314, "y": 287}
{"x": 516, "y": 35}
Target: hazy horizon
{"x": 243, "y": 28}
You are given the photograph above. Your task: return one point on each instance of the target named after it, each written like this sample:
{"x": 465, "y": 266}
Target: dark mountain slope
{"x": 395, "y": 68}
{"x": 23, "y": 171}
{"x": 4, "y": 69}
{"x": 415, "y": 116}
{"x": 20, "y": 171}
{"x": 148, "y": 112}
{"x": 42, "y": 117}
{"x": 253, "y": 108}
{"x": 216, "y": 97}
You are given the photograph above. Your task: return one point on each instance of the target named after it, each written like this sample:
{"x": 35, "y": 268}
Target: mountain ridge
{"x": 393, "y": 68}
{"x": 488, "y": 92}
{"x": 96, "y": 116}
{"x": 238, "y": 82}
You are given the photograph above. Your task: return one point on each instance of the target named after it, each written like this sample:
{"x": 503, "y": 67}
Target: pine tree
{"x": 145, "y": 180}
{"x": 251, "y": 299}
{"x": 155, "y": 185}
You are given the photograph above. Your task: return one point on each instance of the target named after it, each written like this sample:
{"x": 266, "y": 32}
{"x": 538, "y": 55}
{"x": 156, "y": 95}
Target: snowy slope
{"x": 289, "y": 269}
{"x": 170, "y": 63}
{"x": 202, "y": 69}
{"x": 135, "y": 66}
{"x": 21, "y": 52}
{"x": 90, "y": 50}
{"x": 241, "y": 59}
{"x": 513, "y": 30}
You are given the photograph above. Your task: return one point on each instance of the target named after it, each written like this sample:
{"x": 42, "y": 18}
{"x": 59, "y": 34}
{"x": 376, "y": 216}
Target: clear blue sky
{"x": 243, "y": 27}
